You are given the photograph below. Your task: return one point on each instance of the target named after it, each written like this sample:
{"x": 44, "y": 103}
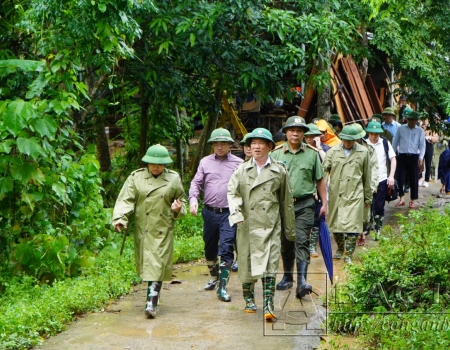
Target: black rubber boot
{"x": 303, "y": 288}
{"x": 153, "y": 291}
{"x": 213, "y": 266}
{"x": 222, "y": 293}
{"x": 288, "y": 277}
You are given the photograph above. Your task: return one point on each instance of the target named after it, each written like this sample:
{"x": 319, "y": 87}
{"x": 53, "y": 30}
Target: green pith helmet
{"x": 388, "y": 110}
{"x": 295, "y": 122}
{"x": 245, "y": 139}
{"x": 260, "y": 133}
{"x": 220, "y": 135}
{"x": 335, "y": 117}
{"x": 313, "y": 130}
{"x": 374, "y": 127}
{"x": 157, "y": 154}
{"x": 406, "y": 111}
{"x": 351, "y": 132}
{"x": 412, "y": 115}
{"x": 362, "y": 133}
{"x": 376, "y": 118}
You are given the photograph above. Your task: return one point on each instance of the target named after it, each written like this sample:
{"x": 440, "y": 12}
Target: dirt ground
{"x": 191, "y": 318}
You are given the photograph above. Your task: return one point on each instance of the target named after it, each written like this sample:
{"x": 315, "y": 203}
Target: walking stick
{"x": 123, "y": 242}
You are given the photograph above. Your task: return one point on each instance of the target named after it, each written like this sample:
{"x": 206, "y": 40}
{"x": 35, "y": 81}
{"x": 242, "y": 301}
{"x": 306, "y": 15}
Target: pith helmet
{"x": 335, "y": 117}
{"x": 376, "y": 118}
{"x": 313, "y": 130}
{"x": 260, "y": 133}
{"x": 351, "y": 132}
{"x": 295, "y": 122}
{"x": 244, "y": 139}
{"x": 157, "y": 154}
{"x": 412, "y": 115}
{"x": 406, "y": 111}
{"x": 220, "y": 135}
{"x": 388, "y": 110}
{"x": 374, "y": 127}
{"x": 362, "y": 133}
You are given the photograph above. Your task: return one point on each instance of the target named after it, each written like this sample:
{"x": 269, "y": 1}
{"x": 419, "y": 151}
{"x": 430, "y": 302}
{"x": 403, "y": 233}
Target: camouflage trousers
{"x": 314, "y": 238}
{"x": 346, "y": 246}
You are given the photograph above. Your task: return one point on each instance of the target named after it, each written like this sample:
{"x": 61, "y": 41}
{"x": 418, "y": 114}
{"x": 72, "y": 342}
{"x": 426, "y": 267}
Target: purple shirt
{"x": 214, "y": 174}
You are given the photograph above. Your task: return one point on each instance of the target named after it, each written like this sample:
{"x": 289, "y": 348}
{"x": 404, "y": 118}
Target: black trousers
{"x": 379, "y": 199}
{"x": 427, "y": 159}
{"x": 408, "y": 164}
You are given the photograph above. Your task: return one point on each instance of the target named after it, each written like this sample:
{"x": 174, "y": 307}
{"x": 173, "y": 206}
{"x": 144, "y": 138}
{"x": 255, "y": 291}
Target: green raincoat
{"x": 350, "y": 188}
{"x": 151, "y": 199}
{"x": 260, "y": 202}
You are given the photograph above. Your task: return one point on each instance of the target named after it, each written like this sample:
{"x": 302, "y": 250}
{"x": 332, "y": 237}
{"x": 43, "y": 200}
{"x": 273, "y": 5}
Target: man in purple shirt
{"x": 213, "y": 174}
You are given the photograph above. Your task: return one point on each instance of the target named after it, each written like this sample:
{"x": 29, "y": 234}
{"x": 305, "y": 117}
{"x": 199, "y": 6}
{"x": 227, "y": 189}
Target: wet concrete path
{"x": 191, "y": 318}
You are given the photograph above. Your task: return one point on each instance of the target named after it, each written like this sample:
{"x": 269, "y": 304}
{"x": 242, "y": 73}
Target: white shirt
{"x": 258, "y": 168}
{"x": 381, "y": 156}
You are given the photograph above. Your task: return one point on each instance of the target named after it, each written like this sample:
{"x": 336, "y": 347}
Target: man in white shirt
{"x": 386, "y": 171}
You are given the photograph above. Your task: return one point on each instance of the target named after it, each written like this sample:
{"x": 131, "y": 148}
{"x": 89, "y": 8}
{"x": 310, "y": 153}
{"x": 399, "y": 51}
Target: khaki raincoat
{"x": 350, "y": 188}
{"x": 260, "y": 202}
{"x": 374, "y": 182}
{"x": 151, "y": 199}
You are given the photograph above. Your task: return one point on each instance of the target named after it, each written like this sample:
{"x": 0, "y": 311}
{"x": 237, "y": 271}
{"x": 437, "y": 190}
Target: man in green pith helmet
{"x": 213, "y": 174}
{"x": 154, "y": 195}
{"x": 260, "y": 199}
{"x": 305, "y": 172}
{"x": 350, "y": 190}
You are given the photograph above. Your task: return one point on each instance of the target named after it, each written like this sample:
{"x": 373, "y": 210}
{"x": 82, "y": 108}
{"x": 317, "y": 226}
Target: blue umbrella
{"x": 325, "y": 244}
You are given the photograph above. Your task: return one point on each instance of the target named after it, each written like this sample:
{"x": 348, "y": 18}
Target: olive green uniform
{"x": 304, "y": 168}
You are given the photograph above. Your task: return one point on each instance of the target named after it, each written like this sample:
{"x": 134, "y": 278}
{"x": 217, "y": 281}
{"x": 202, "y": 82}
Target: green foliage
{"x": 30, "y": 312}
{"x": 188, "y": 239}
{"x": 406, "y": 278}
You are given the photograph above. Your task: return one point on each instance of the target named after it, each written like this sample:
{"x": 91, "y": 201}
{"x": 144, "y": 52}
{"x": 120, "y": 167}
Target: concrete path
{"x": 191, "y": 318}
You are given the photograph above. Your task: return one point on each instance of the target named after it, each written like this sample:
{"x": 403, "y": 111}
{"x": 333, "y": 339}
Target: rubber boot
{"x": 350, "y": 248}
{"x": 153, "y": 290}
{"x": 288, "y": 277}
{"x": 213, "y": 266}
{"x": 303, "y": 288}
{"x": 269, "y": 293}
{"x": 313, "y": 242}
{"x": 222, "y": 292}
{"x": 378, "y": 223}
{"x": 340, "y": 242}
{"x": 248, "y": 291}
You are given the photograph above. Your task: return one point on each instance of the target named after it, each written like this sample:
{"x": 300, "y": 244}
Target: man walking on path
{"x": 350, "y": 190}
{"x": 386, "y": 172}
{"x": 260, "y": 198}
{"x": 409, "y": 141}
{"x": 213, "y": 174}
{"x": 389, "y": 123}
{"x": 153, "y": 194}
{"x": 306, "y": 173}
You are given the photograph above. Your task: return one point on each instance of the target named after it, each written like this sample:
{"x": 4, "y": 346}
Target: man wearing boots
{"x": 260, "y": 199}
{"x": 306, "y": 174}
{"x": 349, "y": 191}
{"x": 213, "y": 174}
{"x": 153, "y": 193}
{"x": 386, "y": 171}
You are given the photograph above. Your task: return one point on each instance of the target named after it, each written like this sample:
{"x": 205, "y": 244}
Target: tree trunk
{"x": 324, "y": 97}
{"x": 364, "y": 64}
{"x": 179, "y": 144}
{"x": 143, "y": 122}
{"x": 101, "y": 142}
{"x": 203, "y": 149}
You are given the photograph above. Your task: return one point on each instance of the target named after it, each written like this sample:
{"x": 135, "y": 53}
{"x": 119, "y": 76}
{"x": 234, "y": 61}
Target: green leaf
{"x": 28, "y": 199}
{"x": 102, "y": 7}
{"x": 59, "y": 189}
{"x": 6, "y": 184}
{"x": 46, "y": 127}
{"x": 22, "y": 172}
{"x": 6, "y": 146}
{"x": 26, "y": 65}
{"x": 29, "y": 147}
{"x": 192, "y": 39}
{"x": 13, "y": 119}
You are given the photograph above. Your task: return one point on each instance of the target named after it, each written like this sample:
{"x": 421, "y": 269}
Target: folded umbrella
{"x": 325, "y": 246}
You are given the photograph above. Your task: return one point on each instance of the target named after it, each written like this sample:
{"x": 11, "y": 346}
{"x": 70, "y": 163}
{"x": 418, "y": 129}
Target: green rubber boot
{"x": 313, "y": 242}
{"x": 378, "y": 223}
{"x": 248, "y": 290}
{"x": 269, "y": 293}
{"x": 153, "y": 290}
{"x": 350, "y": 248}
{"x": 224, "y": 271}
